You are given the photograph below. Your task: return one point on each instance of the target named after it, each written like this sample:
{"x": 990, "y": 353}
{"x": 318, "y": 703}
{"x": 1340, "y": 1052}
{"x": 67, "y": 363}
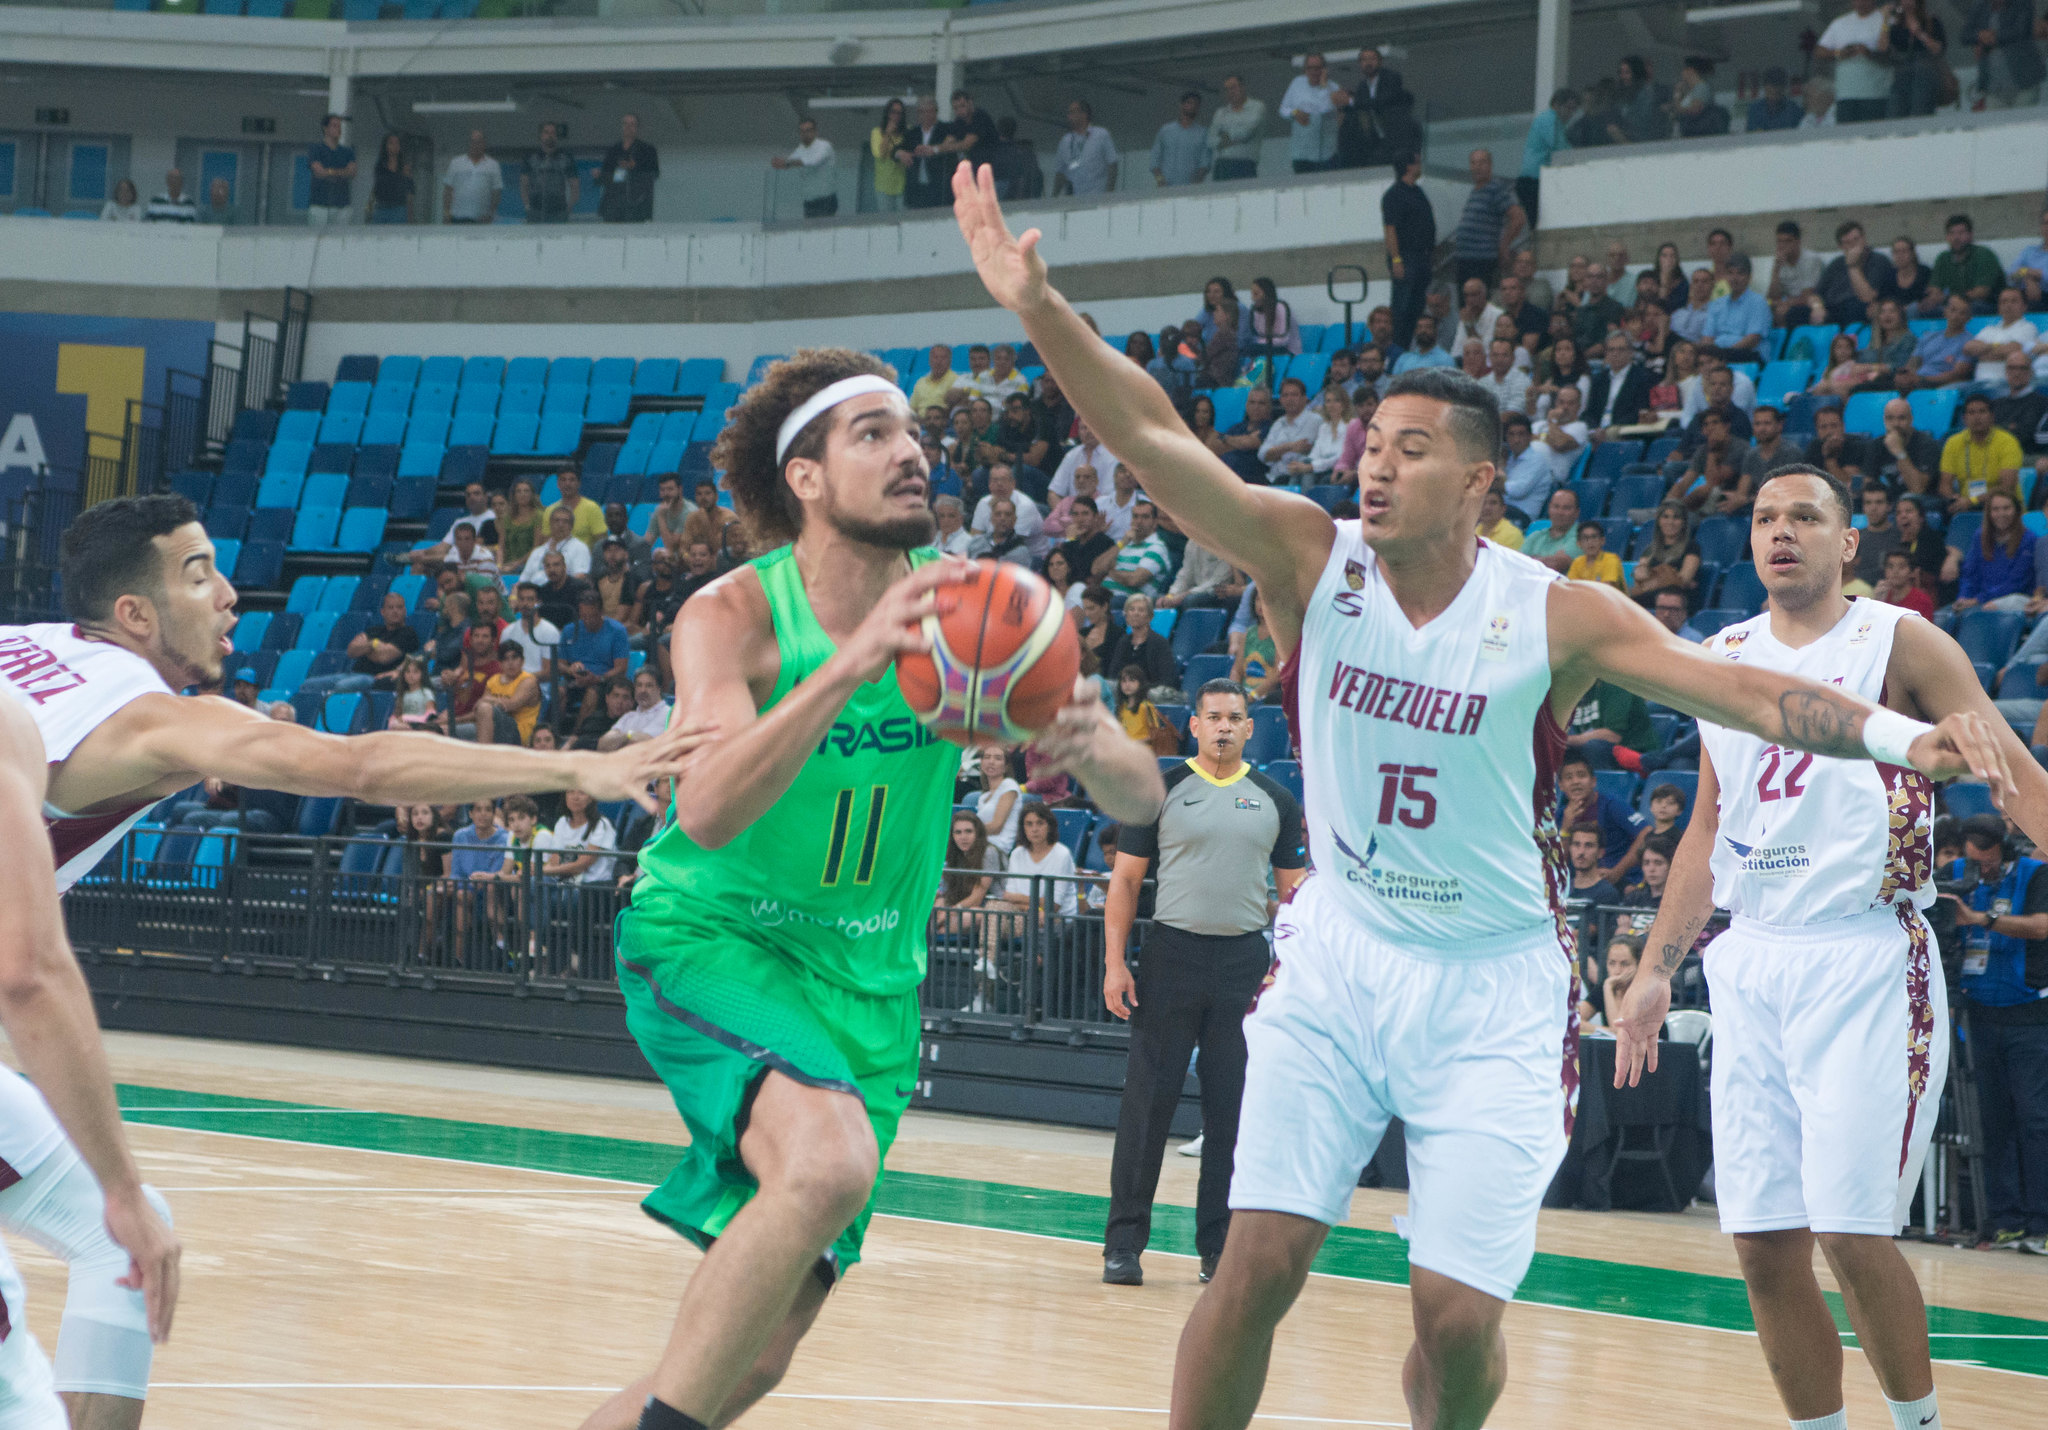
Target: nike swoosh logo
{"x": 912, "y": 1089}
{"x": 1927, "y": 1420}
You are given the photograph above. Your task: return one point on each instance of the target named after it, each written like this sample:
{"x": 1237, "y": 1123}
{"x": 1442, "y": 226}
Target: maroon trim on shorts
{"x": 1547, "y": 738}
{"x": 1919, "y": 1020}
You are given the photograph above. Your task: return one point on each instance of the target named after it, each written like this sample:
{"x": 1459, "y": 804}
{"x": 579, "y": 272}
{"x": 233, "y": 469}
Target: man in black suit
{"x": 1379, "y": 120}
{"x": 1617, "y": 396}
{"x": 929, "y": 178}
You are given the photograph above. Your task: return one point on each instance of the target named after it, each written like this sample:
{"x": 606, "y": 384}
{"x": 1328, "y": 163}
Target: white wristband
{"x": 1887, "y": 735}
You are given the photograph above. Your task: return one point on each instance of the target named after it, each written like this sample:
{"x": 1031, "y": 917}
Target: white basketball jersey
{"x": 1804, "y": 838}
{"x": 70, "y": 685}
{"x": 1430, "y": 755}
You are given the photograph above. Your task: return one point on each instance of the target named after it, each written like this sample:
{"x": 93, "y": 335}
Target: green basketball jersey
{"x": 840, "y": 873}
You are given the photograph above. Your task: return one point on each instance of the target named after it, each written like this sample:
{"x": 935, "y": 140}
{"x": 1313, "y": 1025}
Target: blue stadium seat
{"x": 1198, "y": 670}
{"x": 1934, "y": 409}
{"x": 368, "y": 489}
{"x": 263, "y": 662}
{"x": 423, "y": 624}
{"x": 306, "y": 397}
{"x": 514, "y": 433}
{"x": 338, "y": 714}
{"x": 226, "y": 522}
{"x": 284, "y": 630}
{"x": 1592, "y": 496}
{"x": 600, "y": 459}
{"x": 1197, "y": 630}
{"x": 766, "y": 360}
{"x": 1963, "y": 798}
{"x": 343, "y": 428}
{"x": 1616, "y": 785}
{"x": 250, "y": 630}
{"x": 490, "y": 370}
{"x": 412, "y": 586}
{"x": 430, "y": 398}
{"x": 1636, "y": 493}
{"x": 412, "y": 497}
{"x": 640, "y": 517}
{"x": 194, "y": 487}
{"x": 1609, "y": 458}
{"x": 287, "y": 459}
{"x": 1311, "y": 369}
{"x": 440, "y": 372}
{"x": 1863, "y": 414}
{"x": 332, "y": 459}
{"x": 569, "y": 372}
{"x": 518, "y": 397}
{"x": 1742, "y": 589}
{"x": 348, "y": 397}
{"x": 1269, "y": 737}
{"x": 428, "y": 429}
{"x": 384, "y": 429}
{"x": 1723, "y": 540}
{"x": 305, "y": 595}
{"x": 569, "y": 397}
{"x": 1327, "y": 496}
{"x": 612, "y": 370}
{"x": 399, "y": 370}
{"x": 314, "y": 629}
{"x": 667, "y": 456}
{"x": 1781, "y": 379}
{"x": 1810, "y": 342}
{"x": 291, "y": 668}
{"x": 417, "y": 460}
{"x": 253, "y": 425}
{"x": 559, "y": 435}
{"x": 375, "y": 463}
{"x": 697, "y": 377}
{"x": 362, "y": 528}
{"x": 270, "y": 523}
{"x": 1990, "y": 635}
{"x": 480, "y": 397}
{"x": 347, "y": 626}
{"x": 532, "y": 370}
{"x": 656, "y": 377}
{"x": 696, "y": 462}
{"x": 324, "y": 489}
{"x": 464, "y": 463}
{"x": 259, "y": 565}
{"x": 1229, "y": 406}
{"x": 1663, "y": 449}
{"x": 339, "y": 594}
{"x": 225, "y": 554}
{"x": 471, "y": 429}
{"x": 677, "y": 426}
{"x": 608, "y": 404}
{"x": 1287, "y": 773}
{"x": 314, "y": 530}
{"x": 234, "y": 489}
{"x": 369, "y": 596}
{"x": 297, "y": 427}
{"x": 1962, "y": 529}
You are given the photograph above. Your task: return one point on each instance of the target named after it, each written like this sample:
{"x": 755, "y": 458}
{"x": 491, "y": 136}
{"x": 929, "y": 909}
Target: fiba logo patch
{"x": 1493, "y": 642}
{"x": 1861, "y": 637}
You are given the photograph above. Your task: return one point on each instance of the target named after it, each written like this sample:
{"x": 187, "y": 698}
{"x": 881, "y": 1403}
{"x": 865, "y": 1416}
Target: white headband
{"x": 830, "y": 396}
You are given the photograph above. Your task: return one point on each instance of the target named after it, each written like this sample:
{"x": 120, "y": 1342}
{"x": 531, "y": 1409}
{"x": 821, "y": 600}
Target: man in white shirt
{"x": 1476, "y": 316}
{"x": 1002, "y": 486}
{"x": 1855, "y": 42}
{"x": 533, "y": 635}
{"x": 999, "y": 379}
{"x": 1291, "y": 437}
{"x": 1086, "y": 452}
{"x": 1560, "y": 435}
{"x": 469, "y": 192}
{"x": 2012, "y": 333}
{"x": 820, "y": 166}
{"x": 468, "y": 555}
{"x": 562, "y": 538}
{"x": 1234, "y": 133}
{"x": 1528, "y": 466}
{"x": 1309, "y": 107}
{"x": 1117, "y": 505}
{"x": 1508, "y": 383}
{"x": 174, "y": 204}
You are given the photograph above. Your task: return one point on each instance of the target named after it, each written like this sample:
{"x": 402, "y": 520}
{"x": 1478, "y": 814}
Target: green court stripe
{"x": 2008, "y": 1343}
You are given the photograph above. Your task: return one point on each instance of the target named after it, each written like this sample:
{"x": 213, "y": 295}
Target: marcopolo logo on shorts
{"x": 1772, "y": 861}
{"x": 773, "y": 913}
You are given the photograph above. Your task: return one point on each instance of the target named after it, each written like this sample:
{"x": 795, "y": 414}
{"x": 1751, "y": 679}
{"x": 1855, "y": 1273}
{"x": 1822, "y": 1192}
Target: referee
{"x": 1222, "y": 824}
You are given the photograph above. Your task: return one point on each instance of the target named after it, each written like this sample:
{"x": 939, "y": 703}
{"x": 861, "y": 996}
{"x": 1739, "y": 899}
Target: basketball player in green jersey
{"x": 776, "y": 940}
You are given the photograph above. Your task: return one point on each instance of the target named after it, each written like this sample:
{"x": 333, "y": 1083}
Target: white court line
{"x": 627, "y": 1191}
{"x": 772, "y": 1395}
{"x": 294, "y": 1111}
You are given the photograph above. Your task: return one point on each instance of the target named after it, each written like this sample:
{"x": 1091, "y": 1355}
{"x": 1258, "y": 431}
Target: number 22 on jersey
{"x": 1784, "y": 773}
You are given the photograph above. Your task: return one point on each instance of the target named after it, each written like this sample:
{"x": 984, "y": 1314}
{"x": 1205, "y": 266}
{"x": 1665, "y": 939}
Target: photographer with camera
{"x": 2001, "y": 914}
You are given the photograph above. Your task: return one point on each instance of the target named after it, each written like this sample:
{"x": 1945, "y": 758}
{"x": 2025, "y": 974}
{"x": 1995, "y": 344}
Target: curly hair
{"x": 745, "y": 450}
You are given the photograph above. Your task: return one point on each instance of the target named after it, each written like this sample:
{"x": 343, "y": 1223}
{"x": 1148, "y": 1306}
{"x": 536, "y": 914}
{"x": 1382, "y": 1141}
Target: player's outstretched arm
{"x": 1085, "y": 741}
{"x": 161, "y": 738}
{"x": 1278, "y": 537}
{"x": 1936, "y": 681}
{"x": 752, "y": 759}
{"x": 1687, "y": 905}
{"x": 47, "y": 1012}
{"x": 1599, "y": 634}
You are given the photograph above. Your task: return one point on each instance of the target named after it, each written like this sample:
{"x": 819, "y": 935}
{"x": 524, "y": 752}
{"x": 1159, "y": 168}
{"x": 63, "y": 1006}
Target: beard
{"x": 894, "y": 533}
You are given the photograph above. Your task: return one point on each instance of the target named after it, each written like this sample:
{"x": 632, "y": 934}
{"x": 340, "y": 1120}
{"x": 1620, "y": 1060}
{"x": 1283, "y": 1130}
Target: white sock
{"x": 1921, "y": 1414}
{"x": 1838, "y": 1421}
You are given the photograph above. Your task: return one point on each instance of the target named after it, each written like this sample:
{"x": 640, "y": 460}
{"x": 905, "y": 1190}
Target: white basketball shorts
{"x": 1830, "y": 1050}
{"x": 1478, "y": 1057}
{"x": 28, "y": 1394}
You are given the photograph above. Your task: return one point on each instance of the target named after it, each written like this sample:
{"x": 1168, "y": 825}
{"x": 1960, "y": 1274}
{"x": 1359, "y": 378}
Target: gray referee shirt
{"x": 1212, "y": 845}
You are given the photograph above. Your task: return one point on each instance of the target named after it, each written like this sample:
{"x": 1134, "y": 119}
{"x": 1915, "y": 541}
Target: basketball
{"x": 1003, "y": 657}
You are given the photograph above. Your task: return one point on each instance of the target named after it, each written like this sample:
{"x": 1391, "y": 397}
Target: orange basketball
{"x": 1003, "y": 658}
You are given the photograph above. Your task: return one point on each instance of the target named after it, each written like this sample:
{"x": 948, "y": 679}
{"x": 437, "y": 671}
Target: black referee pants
{"x": 1193, "y": 990}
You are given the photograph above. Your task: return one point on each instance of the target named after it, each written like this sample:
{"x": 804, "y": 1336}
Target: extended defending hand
{"x": 153, "y": 1251}
{"x": 1964, "y": 745}
{"x": 628, "y": 771}
{"x": 1010, "y": 267}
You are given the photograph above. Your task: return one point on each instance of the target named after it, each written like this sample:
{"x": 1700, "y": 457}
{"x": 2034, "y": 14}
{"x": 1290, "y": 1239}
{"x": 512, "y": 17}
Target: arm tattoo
{"x": 1821, "y": 722}
{"x": 1671, "y": 953}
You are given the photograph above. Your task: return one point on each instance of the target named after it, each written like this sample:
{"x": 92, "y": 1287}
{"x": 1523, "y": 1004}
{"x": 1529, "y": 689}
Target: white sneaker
{"x": 1192, "y": 1149}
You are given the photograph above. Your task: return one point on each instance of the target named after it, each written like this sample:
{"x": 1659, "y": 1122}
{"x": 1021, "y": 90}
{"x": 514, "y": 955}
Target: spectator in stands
{"x": 1598, "y": 311}
{"x": 1590, "y": 888}
{"x": 378, "y": 652}
{"x": 1917, "y": 42}
{"x": 954, "y": 539}
{"x": 698, "y": 571}
{"x": 1142, "y": 560}
{"x": 587, "y": 516}
{"x": 1669, "y": 607}
{"x": 1423, "y": 348}
{"x": 625, "y": 179}
{"x": 1477, "y": 319}
{"x": 613, "y": 579}
{"x": 1002, "y": 541}
{"x": 1910, "y": 280}
{"x": 1528, "y": 475}
{"x": 1773, "y": 109}
{"x": 562, "y": 542}
{"x": 2022, "y": 409}
{"x": 1795, "y": 277}
{"x": 1000, "y": 802}
{"x": 465, "y": 682}
{"x": 511, "y": 695}
{"x": 1494, "y": 525}
{"x": 1817, "y": 104}
{"x": 1980, "y": 460}
{"x": 1180, "y": 151}
{"x": 1690, "y": 321}
{"x": 1507, "y": 382}
{"x": 1270, "y": 320}
{"x": 1717, "y": 394}
{"x": 1376, "y": 117}
{"x": 971, "y": 137}
{"x": 1142, "y": 646}
{"x": 997, "y": 377}
{"x": 1738, "y": 321}
{"x": 1640, "y": 116}
{"x": 819, "y": 164}
{"x": 1900, "y": 586}
{"x": 936, "y": 385}
{"x": 330, "y": 198}
{"x": 1309, "y": 106}
{"x": 1858, "y": 43}
{"x": 1967, "y": 268}
{"x": 1205, "y": 580}
{"x": 1853, "y": 280}
{"x": 647, "y": 718}
{"x": 1692, "y": 103}
{"x": 220, "y": 203}
{"x": 1671, "y": 562}
{"x": 1941, "y": 358}
{"x": 592, "y": 652}
{"x": 1547, "y": 136}
{"x": 2028, "y": 269}
{"x": 125, "y": 206}
{"x": 2012, "y": 333}
{"x": 479, "y": 853}
{"x": 2009, "y": 66}
{"x": 1561, "y": 434}
{"x": 885, "y": 142}
{"x": 1620, "y": 392}
{"x": 391, "y": 184}
{"x": 670, "y": 512}
{"x": 656, "y": 599}
{"x": 536, "y": 636}
{"x": 173, "y": 205}
{"x": 1594, "y": 561}
{"x": 1997, "y": 569}
{"x": 618, "y": 527}
{"x": 1767, "y": 439}
{"x": 548, "y": 182}
{"x": 928, "y": 172}
{"x": 1408, "y": 228}
{"x": 1723, "y": 474}
{"x": 1555, "y": 545}
{"x": 1292, "y": 435}
{"x": 1089, "y": 549}
{"x": 1234, "y": 132}
{"x": 1880, "y": 538}
{"x": 1615, "y": 826}
{"x": 1488, "y": 227}
{"x": 470, "y": 187}
{"x": 1085, "y": 160}
{"x": 1920, "y": 539}
{"x": 1610, "y": 728}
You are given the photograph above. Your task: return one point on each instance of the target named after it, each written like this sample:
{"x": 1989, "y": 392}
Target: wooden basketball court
{"x": 375, "y": 1242}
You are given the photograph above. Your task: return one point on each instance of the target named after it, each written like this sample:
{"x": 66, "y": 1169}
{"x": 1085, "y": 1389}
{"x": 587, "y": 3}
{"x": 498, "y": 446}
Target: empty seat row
{"x": 656, "y": 377}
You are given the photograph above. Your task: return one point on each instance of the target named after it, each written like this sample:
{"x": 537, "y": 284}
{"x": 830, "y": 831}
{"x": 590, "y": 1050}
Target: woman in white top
{"x": 1322, "y": 458}
{"x": 579, "y": 848}
{"x": 1039, "y": 852}
{"x": 125, "y": 206}
{"x": 1000, "y": 800}
{"x": 647, "y": 718}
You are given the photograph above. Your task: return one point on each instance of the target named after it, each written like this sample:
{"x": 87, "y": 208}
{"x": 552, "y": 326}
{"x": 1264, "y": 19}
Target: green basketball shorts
{"x": 715, "y": 1014}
